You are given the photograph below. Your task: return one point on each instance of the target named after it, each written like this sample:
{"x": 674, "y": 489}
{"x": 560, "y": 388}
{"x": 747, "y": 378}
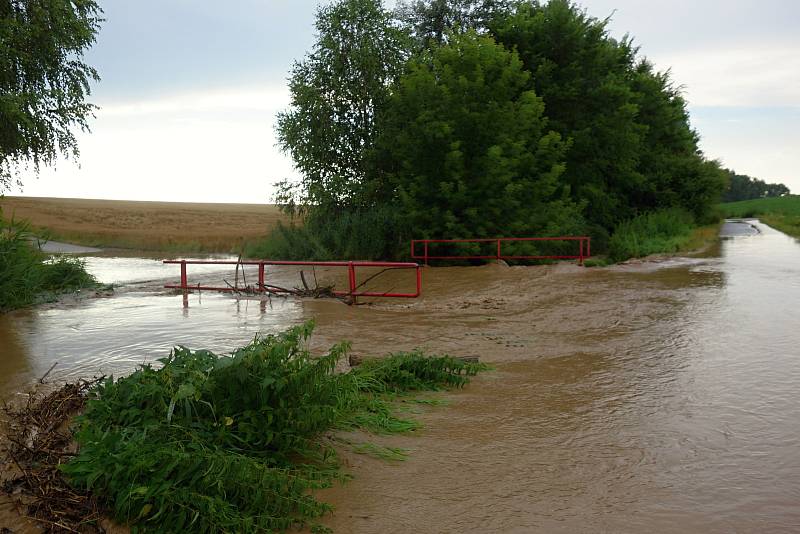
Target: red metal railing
{"x": 584, "y": 249}
{"x": 263, "y": 286}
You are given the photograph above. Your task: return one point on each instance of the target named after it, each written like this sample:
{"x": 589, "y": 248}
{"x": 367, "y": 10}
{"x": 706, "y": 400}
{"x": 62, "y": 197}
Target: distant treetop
{"x": 743, "y": 187}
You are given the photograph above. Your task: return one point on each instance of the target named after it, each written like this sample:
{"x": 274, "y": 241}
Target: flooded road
{"x": 658, "y": 396}
{"x": 634, "y": 398}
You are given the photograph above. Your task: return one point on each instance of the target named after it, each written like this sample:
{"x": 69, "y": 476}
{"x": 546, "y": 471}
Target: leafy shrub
{"x": 233, "y": 443}
{"x": 363, "y": 235}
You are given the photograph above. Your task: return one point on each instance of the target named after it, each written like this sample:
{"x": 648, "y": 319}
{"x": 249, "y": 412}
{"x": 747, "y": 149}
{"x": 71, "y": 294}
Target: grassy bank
{"x": 782, "y": 213}
{"x": 661, "y": 232}
{"x": 235, "y": 443}
{"x": 27, "y": 276}
{"x": 150, "y": 226}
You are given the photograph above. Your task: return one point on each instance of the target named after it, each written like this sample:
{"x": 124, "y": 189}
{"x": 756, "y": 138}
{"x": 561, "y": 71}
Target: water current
{"x": 650, "y": 395}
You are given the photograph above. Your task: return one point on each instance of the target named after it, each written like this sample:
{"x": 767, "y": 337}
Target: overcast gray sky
{"x": 190, "y": 89}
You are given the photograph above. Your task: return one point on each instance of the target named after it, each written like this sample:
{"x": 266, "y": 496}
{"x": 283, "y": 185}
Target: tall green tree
{"x": 676, "y": 172}
{"x": 336, "y": 92}
{"x": 633, "y": 148}
{"x": 583, "y": 76}
{"x": 44, "y": 82}
{"x": 466, "y": 145}
{"x": 431, "y": 21}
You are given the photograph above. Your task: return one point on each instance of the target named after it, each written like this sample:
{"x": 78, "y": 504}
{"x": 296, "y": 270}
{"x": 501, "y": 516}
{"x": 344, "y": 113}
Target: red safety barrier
{"x": 263, "y": 287}
{"x": 584, "y": 249}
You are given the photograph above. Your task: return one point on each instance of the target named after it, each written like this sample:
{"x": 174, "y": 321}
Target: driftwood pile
{"x": 307, "y": 290}
{"x": 271, "y": 290}
{"x": 37, "y": 441}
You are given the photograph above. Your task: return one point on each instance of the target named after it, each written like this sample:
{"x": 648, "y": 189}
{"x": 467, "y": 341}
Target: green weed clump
{"x": 210, "y": 443}
{"x": 364, "y": 235}
{"x": 27, "y": 275}
{"x": 663, "y": 231}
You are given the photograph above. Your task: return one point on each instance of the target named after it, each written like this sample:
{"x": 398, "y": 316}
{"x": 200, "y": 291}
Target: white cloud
{"x": 744, "y": 74}
{"x": 255, "y": 99}
{"x": 214, "y": 147}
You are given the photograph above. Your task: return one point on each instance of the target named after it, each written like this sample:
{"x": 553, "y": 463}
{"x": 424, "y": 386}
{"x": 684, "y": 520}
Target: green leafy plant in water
{"x": 392, "y": 454}
{"x": 414, "y": 371}
{"x": 28, "y": 276}
{"x": 235, "y": 443}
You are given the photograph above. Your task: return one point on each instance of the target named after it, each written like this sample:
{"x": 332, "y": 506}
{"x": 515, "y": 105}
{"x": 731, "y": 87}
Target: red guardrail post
{"x": 351, "y": 272}
{"x": 498, "y": 249}
{"x": 184, "y": 283}
{"x": 261, "y": 277}
{"x": 580, "y": 255}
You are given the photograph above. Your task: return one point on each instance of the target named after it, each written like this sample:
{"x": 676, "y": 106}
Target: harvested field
{"x": 155, "y": 226}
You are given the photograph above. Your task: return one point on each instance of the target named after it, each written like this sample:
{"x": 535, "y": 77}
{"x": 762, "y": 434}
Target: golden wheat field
{"x": 176, "y": 226}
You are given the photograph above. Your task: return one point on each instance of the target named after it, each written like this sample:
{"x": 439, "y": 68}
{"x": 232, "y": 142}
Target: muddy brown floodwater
{"x": 660, "y": 396}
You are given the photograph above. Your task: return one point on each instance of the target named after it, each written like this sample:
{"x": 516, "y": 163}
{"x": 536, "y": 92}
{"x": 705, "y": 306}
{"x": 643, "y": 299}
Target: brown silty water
{"x": 659, "y": 395}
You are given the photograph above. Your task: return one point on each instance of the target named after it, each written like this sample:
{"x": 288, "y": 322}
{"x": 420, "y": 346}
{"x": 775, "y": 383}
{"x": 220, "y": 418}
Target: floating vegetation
{"x": 237, "y": 443}
{"x": 391, "y": 454}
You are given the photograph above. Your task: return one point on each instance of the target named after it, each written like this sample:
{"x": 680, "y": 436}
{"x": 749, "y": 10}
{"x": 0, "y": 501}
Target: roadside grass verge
{"x": 238, "y": 443}
{"x": 788, "y": 224}
{"x": 701, "y": 237}
{"x": 782, "y": 213}
{"x": 27, "y": 276}
{"x": 660, "y": 232}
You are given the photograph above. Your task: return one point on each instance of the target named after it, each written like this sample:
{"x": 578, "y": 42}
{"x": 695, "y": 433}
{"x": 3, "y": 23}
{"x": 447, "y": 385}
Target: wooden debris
{"x": 38, "y": 441}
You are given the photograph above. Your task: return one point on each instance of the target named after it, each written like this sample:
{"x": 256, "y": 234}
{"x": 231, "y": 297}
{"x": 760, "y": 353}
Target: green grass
{"x": 361, "y": 235}
{"x": 599, "y": 261}
{"x": 238, "y": 443}
{"x": 787, "y": 205}
{"x": 27, "y": 276}
{"x": 782, "y": 213}
{"x": 669, "y": 231}
{"x": 389, "y": 454}
{"x": 665, "y": 231}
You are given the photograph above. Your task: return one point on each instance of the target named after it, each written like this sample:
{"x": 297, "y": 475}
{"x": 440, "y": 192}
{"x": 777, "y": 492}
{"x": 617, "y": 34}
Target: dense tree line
{"x": 479, "y": 118}
{"x": 743, "y": 187}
